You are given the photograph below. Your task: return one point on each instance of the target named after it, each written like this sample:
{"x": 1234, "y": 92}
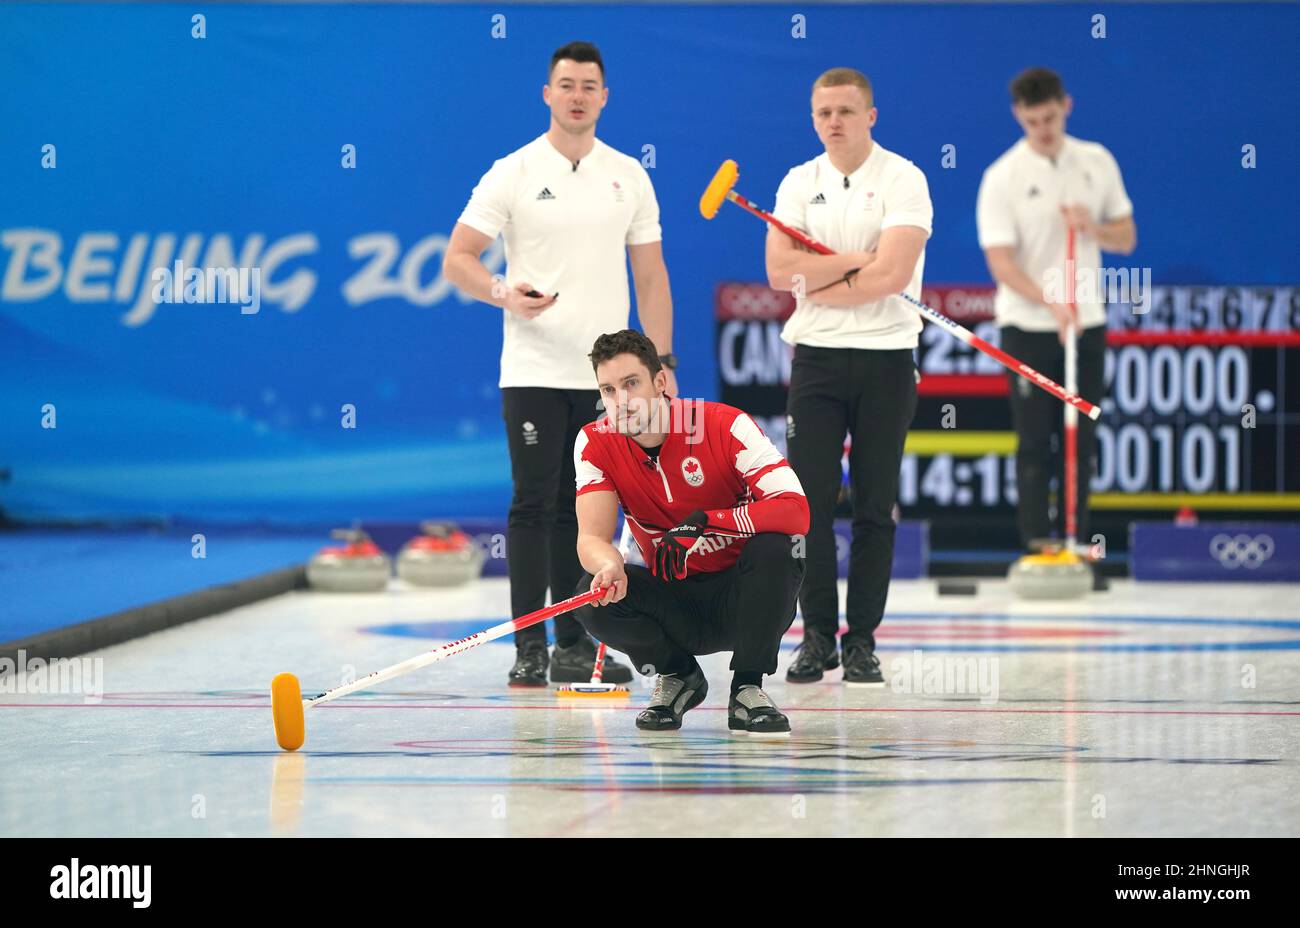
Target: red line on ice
{"x": 549, "y": 708}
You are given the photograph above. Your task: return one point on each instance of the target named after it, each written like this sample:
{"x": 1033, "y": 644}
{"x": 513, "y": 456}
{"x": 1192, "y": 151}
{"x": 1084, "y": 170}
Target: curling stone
{"x": 356, "y": 567}
{"x": 442, "y": 556}
{"x": 1053, "y": 573}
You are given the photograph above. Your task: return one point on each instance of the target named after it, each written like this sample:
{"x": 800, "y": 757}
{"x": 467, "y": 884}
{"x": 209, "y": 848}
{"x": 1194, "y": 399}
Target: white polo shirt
{"x": 1019, "y": 206}
{"x": 886, "y": 190}
{"x": 565, "y": 231}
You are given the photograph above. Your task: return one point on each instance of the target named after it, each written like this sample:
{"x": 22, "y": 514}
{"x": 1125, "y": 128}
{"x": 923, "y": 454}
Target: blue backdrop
{"x": 227, "y": 149}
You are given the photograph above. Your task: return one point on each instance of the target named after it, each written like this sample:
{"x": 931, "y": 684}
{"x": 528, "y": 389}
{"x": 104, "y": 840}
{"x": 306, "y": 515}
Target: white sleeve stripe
{"x": 779, "y": 480}
{"x": 585, "y": 472}
{"x": 758, "y": 451}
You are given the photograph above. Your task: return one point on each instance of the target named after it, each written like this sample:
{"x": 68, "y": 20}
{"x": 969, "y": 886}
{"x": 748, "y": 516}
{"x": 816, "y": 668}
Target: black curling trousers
{"x": 542, "y": 538}
{"x": 1040, "y": 422}
{"x": 745, "y": 609}
{"x": 869, "y": 395}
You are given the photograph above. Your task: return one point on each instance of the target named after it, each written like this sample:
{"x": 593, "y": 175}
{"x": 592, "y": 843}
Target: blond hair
{"x": 843, "y": 77}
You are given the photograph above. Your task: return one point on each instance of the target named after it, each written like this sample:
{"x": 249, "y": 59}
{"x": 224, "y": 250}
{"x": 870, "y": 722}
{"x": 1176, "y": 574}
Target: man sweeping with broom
{"x": 718, "y": 515}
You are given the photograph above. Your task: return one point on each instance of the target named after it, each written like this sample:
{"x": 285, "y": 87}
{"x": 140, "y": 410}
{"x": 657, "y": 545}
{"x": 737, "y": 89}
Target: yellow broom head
{"x": 718, "y": 189}
{"x": 592, "y": 691}
{"x": 287, "y": 711}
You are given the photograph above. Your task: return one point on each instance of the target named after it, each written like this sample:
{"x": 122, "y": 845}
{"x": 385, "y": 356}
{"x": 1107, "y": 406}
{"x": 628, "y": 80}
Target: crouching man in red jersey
{"x": 717, "y": 513}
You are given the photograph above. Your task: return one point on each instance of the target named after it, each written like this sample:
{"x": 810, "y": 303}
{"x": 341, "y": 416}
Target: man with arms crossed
{"x": 853, "y": 370}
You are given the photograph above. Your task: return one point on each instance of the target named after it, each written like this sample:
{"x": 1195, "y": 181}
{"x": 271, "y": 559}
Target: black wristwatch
{"x": 669, "y": 361}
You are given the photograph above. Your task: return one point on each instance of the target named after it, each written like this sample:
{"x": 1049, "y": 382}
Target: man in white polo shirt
{"x": 853, "y": 370}
{"x": 573, "y": 212}
{"x": 1027, "y": 199}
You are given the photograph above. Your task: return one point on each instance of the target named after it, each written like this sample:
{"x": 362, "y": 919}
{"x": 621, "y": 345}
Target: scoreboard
{"x": 1198, "y": 408}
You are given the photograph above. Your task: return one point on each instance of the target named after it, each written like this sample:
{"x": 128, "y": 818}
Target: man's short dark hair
{"x": 1037, "y": 85}
{"x": 580, "y": 52}
{"x": 628, "y": 341}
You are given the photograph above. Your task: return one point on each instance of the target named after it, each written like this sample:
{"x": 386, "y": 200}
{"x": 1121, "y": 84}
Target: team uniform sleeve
{"x": 778, "y": 503}
{"x": 488, "y": 209}
{"x": 994, "y": 221}
{"x": 1117, "y": 204}
{"x": 792, "y": 201}
{"x": 907, "y": 201}
{"x": 590, "y": 476}
{"x": 645, "y": 226}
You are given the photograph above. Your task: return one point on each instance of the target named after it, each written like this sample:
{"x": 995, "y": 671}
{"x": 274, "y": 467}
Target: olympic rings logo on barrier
{"x": 1233, "y": 551}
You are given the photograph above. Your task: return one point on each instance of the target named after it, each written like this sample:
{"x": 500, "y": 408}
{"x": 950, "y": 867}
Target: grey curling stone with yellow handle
{"x": 1053, "y": 573}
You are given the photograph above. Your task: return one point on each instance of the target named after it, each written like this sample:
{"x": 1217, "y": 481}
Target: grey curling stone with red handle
{"x": 443, "y": 556}
{"x": 356, "y": 567}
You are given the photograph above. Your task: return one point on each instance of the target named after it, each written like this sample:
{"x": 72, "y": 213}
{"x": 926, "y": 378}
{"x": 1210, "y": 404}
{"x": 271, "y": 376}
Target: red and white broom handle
{"x": 598, "y": 668}
{"x": 461, "y": 645}
{"x": 1071, "y": 414}
{"x": 961, "y": 332}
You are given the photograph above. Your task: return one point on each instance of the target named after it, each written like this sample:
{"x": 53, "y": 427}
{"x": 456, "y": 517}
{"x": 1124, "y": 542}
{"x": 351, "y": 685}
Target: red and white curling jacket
{"x": 714, "y": 458}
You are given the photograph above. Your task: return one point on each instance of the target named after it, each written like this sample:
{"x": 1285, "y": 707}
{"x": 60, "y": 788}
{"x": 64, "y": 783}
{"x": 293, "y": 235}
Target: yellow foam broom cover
{"x": 718, "y": 189}
{"x": 286, "y": 708}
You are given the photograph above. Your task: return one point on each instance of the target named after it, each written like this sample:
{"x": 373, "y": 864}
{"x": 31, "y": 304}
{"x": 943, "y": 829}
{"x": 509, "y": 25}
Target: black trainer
{"x": 861, "y": 666}
{"x": 574, "y": 663}
{"x": 531, "y": 660}
{"x": 672, "y": 698}
{"x": 752, "y": 710}
{"x": 814, "y": 656}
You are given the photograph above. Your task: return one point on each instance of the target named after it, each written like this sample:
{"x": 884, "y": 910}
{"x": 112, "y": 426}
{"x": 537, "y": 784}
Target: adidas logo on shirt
{"x": 820, "y": 198}
{"x": 546, "y": 194}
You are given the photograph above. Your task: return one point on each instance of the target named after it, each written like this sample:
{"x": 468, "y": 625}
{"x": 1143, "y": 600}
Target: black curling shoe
{"x": 672, "y": 698}
{"x": 753, "y": 711}
{"x": 531, "y": 661}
